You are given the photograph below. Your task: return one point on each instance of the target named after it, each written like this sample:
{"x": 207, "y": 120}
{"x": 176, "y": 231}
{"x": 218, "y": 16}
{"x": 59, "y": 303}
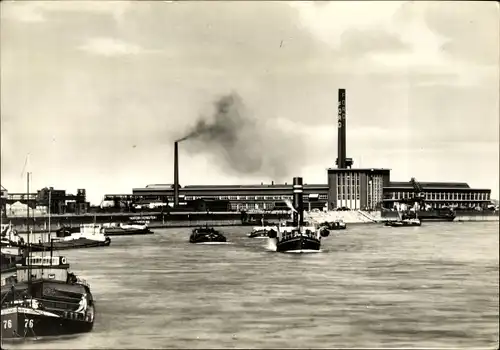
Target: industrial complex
{"x": 347, "y": 188}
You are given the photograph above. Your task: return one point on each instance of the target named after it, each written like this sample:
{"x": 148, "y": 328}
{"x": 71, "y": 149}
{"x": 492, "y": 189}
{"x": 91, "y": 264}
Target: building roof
{"x": 358, "y": 169}
{"x": 286, "y": 185}
{"x": 232, "y": 187}
{"x": 443, "y": 185}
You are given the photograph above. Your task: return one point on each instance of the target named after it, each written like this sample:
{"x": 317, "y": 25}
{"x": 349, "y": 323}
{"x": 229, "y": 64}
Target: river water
{"x": 371, "y": 286}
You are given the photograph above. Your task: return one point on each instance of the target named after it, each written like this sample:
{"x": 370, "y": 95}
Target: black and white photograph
{"x": 250, "y": 174}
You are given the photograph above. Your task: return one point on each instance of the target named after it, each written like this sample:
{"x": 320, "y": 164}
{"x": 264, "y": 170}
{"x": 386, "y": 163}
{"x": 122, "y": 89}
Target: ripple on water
{"x": 370, "y": 287}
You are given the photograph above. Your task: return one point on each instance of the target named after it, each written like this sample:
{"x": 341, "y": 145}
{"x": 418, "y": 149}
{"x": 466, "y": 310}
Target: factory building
{"x": 372, "y": 189}
{"x": 347, "y": 188}
{"x": 356, "y": 188}
{"x": 239, "y": 197}
{"x": 354, "y": 192}
{"x": 439, "y": 195}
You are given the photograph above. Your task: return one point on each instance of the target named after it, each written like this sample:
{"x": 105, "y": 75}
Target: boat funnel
{"x": 298, "y": 190}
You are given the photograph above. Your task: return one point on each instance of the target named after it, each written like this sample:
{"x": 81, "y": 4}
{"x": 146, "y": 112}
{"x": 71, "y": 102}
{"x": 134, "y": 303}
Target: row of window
{"x": 349, "y": 179}
{"x": 21, "y": 197}
{"x": 251, "y": 206}
{"x": 348, "y": 196}
{"x": 269, "y": 206}
{"x": 442, "y": 196}
{"x": 375, "y": 191}
{"x": 234, "y": 198}
{"x": 252, "y": 198}
{"x": 437, "y": 205}
{"x": 348, "y": 186}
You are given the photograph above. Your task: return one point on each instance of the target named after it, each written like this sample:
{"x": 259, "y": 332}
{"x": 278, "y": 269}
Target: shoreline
{"x": 156, "y": 220}
{"x": 21, "y": 229}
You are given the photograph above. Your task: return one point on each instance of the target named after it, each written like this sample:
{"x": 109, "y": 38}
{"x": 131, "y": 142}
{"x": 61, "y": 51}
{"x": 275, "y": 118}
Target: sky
{"x": 93, "y": 94}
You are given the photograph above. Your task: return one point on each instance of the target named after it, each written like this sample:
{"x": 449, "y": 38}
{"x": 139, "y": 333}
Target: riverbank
{"x": 43, "y": 224}
{"x": 178, "y": 220}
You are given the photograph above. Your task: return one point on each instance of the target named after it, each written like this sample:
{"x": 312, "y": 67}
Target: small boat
{"x": 260, "y": 232}
{"x": 11, "y": 254}
{"x": 335, "y": 225}
{"x": 86, "y": 236}
{"x": 40, "y": 297}
{"x": 406, "y": 218}
{"x": 404, "y": 222}
{"x": 9, "y": 236}
{"x": 121, "y": 229}
{"x": 205, "y": 235}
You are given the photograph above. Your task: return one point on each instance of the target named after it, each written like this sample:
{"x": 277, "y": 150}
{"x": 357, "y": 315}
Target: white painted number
{"x": 28, "y": 323}
{"x": 7, "y": 324}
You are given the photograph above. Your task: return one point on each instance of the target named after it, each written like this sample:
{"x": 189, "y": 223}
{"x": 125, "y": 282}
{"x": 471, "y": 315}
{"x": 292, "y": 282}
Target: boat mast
{"x": 49, "y": 235}
{"x": 27, "y": 207}
{"x": 50, "y": 206}
{"x": 28, "y": 236}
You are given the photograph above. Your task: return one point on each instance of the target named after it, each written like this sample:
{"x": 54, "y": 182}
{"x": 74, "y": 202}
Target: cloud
{"x": 330, "y": 20}
{"x": 41, "y": 11}
{"x": 359, "y": 42}
{"x": 111, "y": 47}
{"x": 406, "y": 88}
{"x": 409, "y": 38}
{"x": 21, "y": 11}
{"x": 466, "y": 26}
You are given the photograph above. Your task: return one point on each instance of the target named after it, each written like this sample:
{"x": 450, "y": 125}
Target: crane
{"x": 417, "y": 197}
{"x": 418, "y": 191}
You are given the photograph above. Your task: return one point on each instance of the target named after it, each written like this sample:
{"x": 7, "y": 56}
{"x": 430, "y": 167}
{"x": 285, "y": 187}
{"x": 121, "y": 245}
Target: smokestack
{"x": 341, "y": 138}
{"x": 176, "y": 174}
{"x": 298, "y": 217}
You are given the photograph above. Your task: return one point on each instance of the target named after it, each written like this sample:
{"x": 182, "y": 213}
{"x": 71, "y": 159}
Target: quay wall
{"x": 153, "y": 219}
{"x": 477, "y": 217}
{"x": 349, "y": 217}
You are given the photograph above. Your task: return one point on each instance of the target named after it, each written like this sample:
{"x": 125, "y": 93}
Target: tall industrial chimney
{"x": 176, "y": 174}
{"x": 341, "y": 139}
{"x": 298, "y": 217}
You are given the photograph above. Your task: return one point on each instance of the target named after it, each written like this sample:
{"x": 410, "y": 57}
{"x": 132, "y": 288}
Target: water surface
{"x": 372, "y": 286}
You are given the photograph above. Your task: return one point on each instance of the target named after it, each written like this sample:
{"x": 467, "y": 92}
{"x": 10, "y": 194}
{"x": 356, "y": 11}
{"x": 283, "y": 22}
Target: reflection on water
{"x": 372, "y": 286}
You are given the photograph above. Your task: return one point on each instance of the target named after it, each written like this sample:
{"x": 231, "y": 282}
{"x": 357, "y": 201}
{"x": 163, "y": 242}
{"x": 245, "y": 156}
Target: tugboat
{"x": 40, "y": 297}
{"x": 87, "y": 236}
{"x": 297, "y": 236}
{"x": 206, "y": 235}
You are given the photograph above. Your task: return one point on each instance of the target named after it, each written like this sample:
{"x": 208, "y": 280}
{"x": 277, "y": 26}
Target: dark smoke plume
{"x": 244, "y": 145}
